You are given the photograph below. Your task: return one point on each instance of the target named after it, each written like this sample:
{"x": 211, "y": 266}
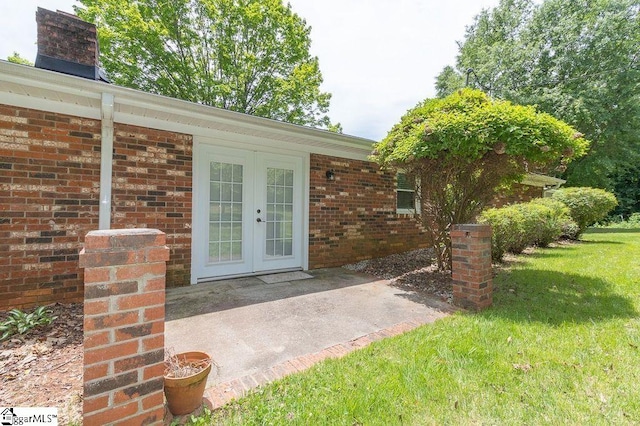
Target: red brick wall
{"x": 49, "y": 189}
{"x": 519, "y": 193}
{"x": 353, "y": 217}
{"x": 49, "y": 196}
{"x": 152, "y": 189}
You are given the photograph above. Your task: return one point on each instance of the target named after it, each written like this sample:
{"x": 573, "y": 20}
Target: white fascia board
{"x": 200, "y": 120}
{"x": 50, "y": 105}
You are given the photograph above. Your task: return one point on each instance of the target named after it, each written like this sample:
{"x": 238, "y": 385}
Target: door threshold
{"x": 249, "y": 274}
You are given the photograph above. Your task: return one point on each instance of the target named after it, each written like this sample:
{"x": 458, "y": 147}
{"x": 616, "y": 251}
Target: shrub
{"x": 540, "y": 225}
{"x": 515, "y": 227}
{"x": 587, "y": 205}
{"x": 507, "y": 226}
{"x": 561, "y": 216}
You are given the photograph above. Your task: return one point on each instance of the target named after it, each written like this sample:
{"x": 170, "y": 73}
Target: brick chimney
{"x": 68, "y": 45}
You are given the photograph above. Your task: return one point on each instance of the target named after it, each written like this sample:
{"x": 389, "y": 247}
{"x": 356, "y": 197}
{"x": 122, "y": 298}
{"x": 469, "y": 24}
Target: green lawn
{"x": 561, "y": 345}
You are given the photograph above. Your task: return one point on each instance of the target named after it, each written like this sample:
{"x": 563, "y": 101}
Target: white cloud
{"x": 380, "y": 57}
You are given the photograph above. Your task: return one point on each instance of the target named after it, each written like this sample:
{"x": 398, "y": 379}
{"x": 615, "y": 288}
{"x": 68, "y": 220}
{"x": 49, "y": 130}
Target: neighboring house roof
{"x": 30, "y": 87}
{"x": 542, "y": 181}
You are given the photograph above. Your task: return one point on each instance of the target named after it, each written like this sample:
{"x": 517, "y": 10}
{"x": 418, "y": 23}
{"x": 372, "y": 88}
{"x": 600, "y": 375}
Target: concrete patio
{"x": 259, "y": 329}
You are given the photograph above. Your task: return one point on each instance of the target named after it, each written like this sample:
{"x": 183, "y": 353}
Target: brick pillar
{"x": 471, "y": 266}
{"x": 124, "y": 295}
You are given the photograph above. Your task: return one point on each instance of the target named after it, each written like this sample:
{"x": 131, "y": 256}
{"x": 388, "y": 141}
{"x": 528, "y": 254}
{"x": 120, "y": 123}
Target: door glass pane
{"x": 279, "y": 247}
{"x": 226, "y": 172}
{"x": 214, "y": 212}
{"x": 226, "y": 191}
{"x": 236, "y": 196}
{"x": 214, "y": 191}
{"x": 225, "y": 252}
{"x": 236, "y": 251}
{"x": 236, "y": 212}
{"x": 279, "y": 235}
{"x": 215, "y": 172}
{"x": 237, "y": 173}
{"x": 225, "y": 232}
{"x": 214, "y": 232}
{"x": 225, "y": 212}
{"x": 236, "y": 232}
{"x": 271, "y": 214}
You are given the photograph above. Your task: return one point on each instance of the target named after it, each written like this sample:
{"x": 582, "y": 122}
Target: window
{"x": 406, "y": 200}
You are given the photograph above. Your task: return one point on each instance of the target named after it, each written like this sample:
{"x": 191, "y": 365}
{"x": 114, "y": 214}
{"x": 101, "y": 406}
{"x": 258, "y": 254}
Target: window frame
{"x": 416, "y": 204}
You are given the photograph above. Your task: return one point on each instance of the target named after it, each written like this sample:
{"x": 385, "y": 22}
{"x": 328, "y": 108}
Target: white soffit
{"x": 35, "y": 88}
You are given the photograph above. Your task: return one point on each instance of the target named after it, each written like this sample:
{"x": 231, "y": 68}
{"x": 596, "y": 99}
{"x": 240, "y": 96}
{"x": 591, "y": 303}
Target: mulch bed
{"x": 44, "y": 367}
{"x": 414, "y": 271}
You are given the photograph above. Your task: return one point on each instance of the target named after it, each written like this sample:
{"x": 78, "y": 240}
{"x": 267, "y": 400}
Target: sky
{"x": 378, "y": 58}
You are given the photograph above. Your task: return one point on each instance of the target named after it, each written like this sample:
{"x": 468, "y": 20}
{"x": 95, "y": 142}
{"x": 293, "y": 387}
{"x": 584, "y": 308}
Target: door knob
{"x": 258, "y": 220}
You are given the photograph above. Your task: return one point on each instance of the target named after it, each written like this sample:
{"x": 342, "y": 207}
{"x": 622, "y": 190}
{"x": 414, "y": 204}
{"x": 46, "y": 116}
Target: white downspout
{"x": 106, "y": 161}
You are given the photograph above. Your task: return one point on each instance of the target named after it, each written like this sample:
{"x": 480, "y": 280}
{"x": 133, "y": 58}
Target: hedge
{"x": 538, "y": 222}
{"x": 587, "y": 205}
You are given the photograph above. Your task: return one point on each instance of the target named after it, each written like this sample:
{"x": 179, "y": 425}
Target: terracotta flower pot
{"x": 184, "y": 394}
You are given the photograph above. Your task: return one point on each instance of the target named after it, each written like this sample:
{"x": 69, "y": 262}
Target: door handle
{"x": 258, "y": 220}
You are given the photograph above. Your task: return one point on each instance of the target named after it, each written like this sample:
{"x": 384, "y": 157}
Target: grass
{"x": 561, "y": 345}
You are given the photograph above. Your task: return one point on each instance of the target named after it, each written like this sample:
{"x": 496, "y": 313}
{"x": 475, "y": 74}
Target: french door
{"x": 250, "y": 215}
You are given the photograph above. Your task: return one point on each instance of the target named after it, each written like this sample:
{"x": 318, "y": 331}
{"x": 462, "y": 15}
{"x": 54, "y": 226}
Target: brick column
{"x": 124, "y": 295}
{"x": 471, "y": 266}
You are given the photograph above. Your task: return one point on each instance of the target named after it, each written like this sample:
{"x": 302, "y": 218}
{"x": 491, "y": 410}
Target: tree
{"x": 448, "y": 81}
{"x": 465, "y": 146}
{"x": 17, "y": 59}
{"x": 577, "y": 60}
{"x": 250, "y": 56}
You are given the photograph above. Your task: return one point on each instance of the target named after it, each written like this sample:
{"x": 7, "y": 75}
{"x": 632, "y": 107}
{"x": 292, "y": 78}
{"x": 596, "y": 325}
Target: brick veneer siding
{"x": 49, "y": 189}
{"x": 353, "y": 217}
{"x": 49, "y": 199}
{"x": 152, "y": 172}
{"x": 518, "y": 193}
{"x": 124, "y": 298}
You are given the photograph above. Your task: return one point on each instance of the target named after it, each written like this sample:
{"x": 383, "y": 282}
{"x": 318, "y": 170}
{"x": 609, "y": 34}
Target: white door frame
{"x": 199, "y": 236}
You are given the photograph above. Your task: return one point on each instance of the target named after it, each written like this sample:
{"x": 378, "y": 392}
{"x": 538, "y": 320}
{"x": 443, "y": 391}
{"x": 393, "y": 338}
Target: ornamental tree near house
{"x": 464, "y": 147}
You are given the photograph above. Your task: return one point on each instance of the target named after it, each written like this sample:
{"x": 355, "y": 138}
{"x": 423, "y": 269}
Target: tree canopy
{"x": 17, "y": 59}
{"x": 577, "y": 60}
{"x": 462, "y": 148}
{"x": 250, "y": 56}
